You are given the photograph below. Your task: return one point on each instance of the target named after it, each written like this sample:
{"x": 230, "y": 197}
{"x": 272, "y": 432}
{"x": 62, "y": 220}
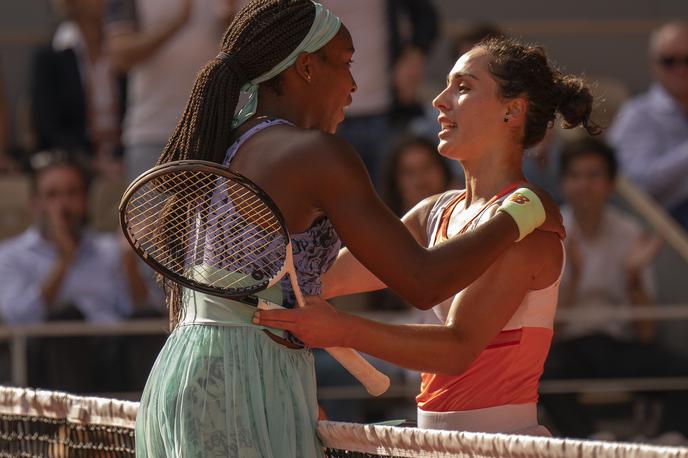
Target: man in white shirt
{"x": 162, "y": 44}
{"x": 608, "y": 266}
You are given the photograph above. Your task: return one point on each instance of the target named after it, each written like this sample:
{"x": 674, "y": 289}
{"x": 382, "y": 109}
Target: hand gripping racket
{"x": 212, "y": 230}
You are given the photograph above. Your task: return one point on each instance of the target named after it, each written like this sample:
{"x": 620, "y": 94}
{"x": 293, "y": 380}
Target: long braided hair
{"x": 262, "y": 34}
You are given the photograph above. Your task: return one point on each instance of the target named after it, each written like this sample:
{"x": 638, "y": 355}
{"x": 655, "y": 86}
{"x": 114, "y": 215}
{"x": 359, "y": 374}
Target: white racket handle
{"x": 374, "y": 381}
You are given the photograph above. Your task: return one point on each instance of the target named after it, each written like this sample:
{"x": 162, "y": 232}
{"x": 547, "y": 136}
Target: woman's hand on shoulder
{"x": 553, "y": 219}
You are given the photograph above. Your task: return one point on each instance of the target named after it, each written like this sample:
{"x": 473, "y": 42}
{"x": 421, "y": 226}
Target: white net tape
{"x": 104, "y": 427}
{"x": 388, "y": 441}
{"x": 63, "y": 406}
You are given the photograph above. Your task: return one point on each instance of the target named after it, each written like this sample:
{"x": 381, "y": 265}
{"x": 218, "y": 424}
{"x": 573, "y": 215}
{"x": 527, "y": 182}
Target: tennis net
{"x": 348, "y": 440}
{"x": 35, "y": 423}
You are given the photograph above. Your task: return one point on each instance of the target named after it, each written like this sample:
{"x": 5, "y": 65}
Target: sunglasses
{"x": 672, "y": 61}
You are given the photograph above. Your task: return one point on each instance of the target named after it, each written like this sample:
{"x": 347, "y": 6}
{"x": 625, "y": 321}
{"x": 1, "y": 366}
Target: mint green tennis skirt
{"x": 222, "y": 388}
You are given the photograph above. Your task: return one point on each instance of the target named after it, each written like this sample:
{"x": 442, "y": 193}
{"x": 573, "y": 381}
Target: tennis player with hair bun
{"x": 223, "y": 386}
{"x": 481, "y": 367}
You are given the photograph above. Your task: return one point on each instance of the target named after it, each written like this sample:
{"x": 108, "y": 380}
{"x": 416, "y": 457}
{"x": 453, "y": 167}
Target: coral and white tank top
{"x": 508, "y": 370}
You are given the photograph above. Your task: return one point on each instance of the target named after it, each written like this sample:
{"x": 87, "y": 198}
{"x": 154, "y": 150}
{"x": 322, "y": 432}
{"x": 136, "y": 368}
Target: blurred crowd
{"x": 106, "y": 92}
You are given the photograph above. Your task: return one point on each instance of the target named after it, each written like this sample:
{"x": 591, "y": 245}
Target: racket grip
{"x": 374, "y": 381}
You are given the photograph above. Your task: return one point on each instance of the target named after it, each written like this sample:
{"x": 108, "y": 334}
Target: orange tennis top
{"x": 508, "y": 370}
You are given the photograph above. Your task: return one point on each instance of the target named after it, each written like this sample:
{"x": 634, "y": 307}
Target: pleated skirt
{"x": 228, "y": 391}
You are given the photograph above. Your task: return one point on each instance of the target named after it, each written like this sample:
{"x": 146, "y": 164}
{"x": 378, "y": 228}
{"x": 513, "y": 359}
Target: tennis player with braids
{"x": 223, "y": 386}
{"x": 482, "y": 365}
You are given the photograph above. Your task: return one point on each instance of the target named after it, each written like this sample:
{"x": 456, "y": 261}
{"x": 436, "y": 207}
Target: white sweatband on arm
{"x": 524, "y": 206}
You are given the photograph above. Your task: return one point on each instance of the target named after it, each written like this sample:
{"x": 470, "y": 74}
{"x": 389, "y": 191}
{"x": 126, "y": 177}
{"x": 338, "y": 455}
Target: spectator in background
{"x": 77, "y": 98}
{"x": 608, "y": 266}
{"x": 651, "y": 130}
{"x": 375, "y": 26}
{"x": 162, "y": 44}
{"x": 413, "y": 171}
{"x": 58, "y": 269}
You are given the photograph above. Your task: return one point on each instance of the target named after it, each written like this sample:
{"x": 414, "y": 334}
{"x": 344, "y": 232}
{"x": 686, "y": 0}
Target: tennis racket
{"x": 212, "y": 230}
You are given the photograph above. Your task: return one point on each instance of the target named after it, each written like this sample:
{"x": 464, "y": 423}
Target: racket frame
{"x": 247, "y": 295}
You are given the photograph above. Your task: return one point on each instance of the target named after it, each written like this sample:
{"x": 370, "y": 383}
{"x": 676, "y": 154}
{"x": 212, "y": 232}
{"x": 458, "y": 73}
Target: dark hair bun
{"x": 575, "y": 102}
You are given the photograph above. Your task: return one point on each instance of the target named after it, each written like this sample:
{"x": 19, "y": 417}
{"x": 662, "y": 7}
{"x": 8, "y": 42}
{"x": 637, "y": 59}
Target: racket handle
{"x": 374, "y": 381}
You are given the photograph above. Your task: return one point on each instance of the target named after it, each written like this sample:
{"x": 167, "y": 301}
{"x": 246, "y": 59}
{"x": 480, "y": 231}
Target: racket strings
{"x": 148, "y": 198}
{"x": 172, "y": 208}
{"x": 264, "y": 215}
{"x": 152, "y": 218}
{"x": 197, "y": 224}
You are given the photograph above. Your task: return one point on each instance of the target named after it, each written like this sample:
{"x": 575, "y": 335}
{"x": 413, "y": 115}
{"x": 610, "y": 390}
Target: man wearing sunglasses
{"x": 651, "y": 130}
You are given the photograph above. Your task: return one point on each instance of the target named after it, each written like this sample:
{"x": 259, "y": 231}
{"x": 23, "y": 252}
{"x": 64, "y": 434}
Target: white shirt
{"x": 160, "y": 86}
{"x": 94, "y": 283}
{"x": 602, "y": 279}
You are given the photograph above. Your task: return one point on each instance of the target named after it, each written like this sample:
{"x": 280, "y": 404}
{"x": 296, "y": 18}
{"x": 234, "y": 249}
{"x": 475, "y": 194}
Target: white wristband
{"x": 524, "y": 206}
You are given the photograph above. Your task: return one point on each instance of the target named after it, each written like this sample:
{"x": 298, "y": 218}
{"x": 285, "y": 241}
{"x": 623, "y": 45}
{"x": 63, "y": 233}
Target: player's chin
{"x": 445, "y": 149}
{"x": 333, "y": 125}
{"x": 336, "y": 119}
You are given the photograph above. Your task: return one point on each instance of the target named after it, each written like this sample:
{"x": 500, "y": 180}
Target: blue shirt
{"x": 651, "y": 136}
{"x": 94, "y": 283}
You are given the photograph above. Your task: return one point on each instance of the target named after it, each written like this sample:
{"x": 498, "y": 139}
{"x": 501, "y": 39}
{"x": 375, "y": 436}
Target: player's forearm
{"x": 138, "y": 289}
{"x": 129, "y": 49}
{"x": 448, "y": 268}
{"x": 646, "y": 330}
{"x": 348, "y": 276}
{"x": 429, "y": 348}
{"x": 51, "y": 286}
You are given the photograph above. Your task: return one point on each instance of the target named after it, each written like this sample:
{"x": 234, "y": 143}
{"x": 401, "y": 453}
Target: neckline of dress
{"x": 232, "y": 150}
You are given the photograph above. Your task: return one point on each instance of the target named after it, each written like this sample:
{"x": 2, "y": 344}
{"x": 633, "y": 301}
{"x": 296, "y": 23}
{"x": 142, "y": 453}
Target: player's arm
{"x": 476, "y": 317}
{"x": 379, "y": 240}
{"x": 348, "y": 276}
{"x": 129, "y": 46}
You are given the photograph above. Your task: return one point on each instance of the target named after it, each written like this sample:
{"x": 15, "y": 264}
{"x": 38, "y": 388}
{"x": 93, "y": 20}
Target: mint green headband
{"x": 324, "y": 27}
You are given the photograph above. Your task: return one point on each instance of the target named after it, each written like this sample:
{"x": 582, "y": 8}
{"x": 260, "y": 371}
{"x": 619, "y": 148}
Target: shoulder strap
{"x": 232, "y": 150}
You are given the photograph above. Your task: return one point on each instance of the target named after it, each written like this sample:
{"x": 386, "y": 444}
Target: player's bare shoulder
{"x": 541, "y": 253}
{"x": 321, "y": 149}
{"x": 418, "y": 218}
{"x": 544, "y": 253}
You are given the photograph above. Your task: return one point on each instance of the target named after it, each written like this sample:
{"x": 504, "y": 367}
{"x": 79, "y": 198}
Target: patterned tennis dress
{"x": 221, "y": 387}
